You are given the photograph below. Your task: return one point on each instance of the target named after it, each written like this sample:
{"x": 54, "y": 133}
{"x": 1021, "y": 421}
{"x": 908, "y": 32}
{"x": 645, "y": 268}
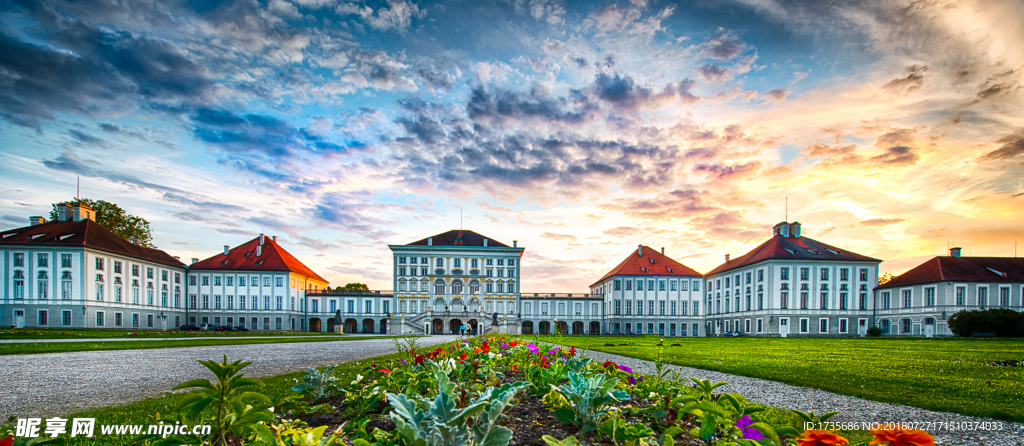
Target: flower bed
{"x": 492, "y": 391}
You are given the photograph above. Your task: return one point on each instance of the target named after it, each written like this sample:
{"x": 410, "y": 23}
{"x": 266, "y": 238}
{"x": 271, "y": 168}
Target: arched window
{"x": 438, "y": 304}
{"x": 439, "y": 287}
{"x": 474, "y": 287}
{"x": 457, "y": 287}
{"x": 511, "y": 287}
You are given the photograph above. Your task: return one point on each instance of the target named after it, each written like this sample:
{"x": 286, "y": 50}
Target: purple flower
{"x": 625, "y": 369}
{"x": 403, "y": 362}
{"x": 504, "y": 346}
{"x": 632, "y": 380}
{"x": 533, "y": 349}
{"x": 748, "y": 433}
{"x": 553, "y": 351}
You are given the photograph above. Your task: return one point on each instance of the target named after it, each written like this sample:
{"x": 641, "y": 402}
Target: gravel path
{"x": 53, "y": 384}
{"x": 851, "y": 409}
{"x": 26, "y": 341}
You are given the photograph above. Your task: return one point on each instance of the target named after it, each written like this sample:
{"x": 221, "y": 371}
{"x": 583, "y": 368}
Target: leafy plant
{"x": 317, "y": 383}
{"x": 441, "y": 423}
{"x": 619, "y": 430}
{"x": 588, "y": 399}
{"x": 296, "y": 433}
{"x": 236, "y": 410}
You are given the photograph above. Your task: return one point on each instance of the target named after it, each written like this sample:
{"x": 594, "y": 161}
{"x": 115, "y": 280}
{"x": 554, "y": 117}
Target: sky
{"x": 893, "y": 129}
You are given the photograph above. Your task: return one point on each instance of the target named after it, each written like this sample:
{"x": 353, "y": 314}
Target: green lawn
{"x": 948, "y": 375}
{"x": 26, "y": 348}
{"x": 78, "y": 333}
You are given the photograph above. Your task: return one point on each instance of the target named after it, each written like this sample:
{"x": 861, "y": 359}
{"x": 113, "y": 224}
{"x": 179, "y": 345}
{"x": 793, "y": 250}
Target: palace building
{"x": 259, "y": 285}
{"x": 792, "y": 285}
{"x": 74, "y": 273}
{"x": 650, "y": 293}
{"x": 920, "y": 301}
{"x": 456, "y": 279}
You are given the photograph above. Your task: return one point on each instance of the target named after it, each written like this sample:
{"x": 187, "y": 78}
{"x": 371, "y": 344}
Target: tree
{"x": 885, "y": 278}
{"x": 354, "y": 287}
{"x": 112, "y": 217}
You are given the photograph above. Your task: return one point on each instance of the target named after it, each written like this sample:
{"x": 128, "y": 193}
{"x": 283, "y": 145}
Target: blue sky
{"x": 579, "y": 129}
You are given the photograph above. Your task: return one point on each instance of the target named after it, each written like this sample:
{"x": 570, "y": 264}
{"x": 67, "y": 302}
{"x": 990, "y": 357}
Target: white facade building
{"x": 259, "y": 285}
{"x": 650, "y": 293}
{"x": 792, "y": 285}
{"x": 921, "y": 300}
{"x": 456, "y": 279}
{"x": 74, "y": 273}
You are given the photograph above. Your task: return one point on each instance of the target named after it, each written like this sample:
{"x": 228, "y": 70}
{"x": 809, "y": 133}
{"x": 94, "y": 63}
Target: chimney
{"x": 274, "y": 238}
{"x": 640, "y": 250}
{"x": 727, "y": 258}
{"x": 259, "y": 250}
{"x": 195, "y": 260}
{"x": 64, "y": 212}
{"x": 134, "y": 240}
{"x": 662, "y": 250}
{"x": 177, "y": 258}
{"x": 781, "y": 229}
{"x": 794, "y": 228}
{"x": 954, "y": 252}
{"x": 32, "y": 221}
{"x": 81, "y": 212}
{"x": 485, "y": 242}
{"x": 262, "y": 237}
{"x": 430, "y": 241}
{"x": 225, "y": 249}
{"x": 515, "y": 243}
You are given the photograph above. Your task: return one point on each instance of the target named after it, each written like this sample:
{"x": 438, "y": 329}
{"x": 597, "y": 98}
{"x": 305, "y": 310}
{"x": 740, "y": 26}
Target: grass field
{"x": 945, "y": 375}
{"x": 26, "y": 348}
{"x": 24, "y": 333}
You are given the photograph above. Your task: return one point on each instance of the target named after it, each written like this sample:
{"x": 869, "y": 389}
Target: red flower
{"x": 609, "y": 364}
{"x": 814, "y": 437}
{"x": 902, "y": 437}
{"x": 419, "y": 360}
{"x": 572, "y": 351}
{"x": 7, "y": 441}
{"x": 463, "y": 356}
{"x": 512, "y": 344}
{"x": 385, "y": 371}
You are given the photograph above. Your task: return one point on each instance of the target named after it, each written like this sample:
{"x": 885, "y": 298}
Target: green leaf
{"x": 195, "y": 383}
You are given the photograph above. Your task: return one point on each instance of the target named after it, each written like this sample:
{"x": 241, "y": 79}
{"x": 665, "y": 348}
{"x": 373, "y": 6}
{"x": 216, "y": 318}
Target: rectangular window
{"x": 696, "y": 312}
{"x": 760, "y": 276}
{"x": 192, "y": 280}
{"x": 672, "y": 308}
{"x": 683, "y": 285}
{"x": 19, "y": 259}
{"x": 824, "y": 274}
{"x": 805, "y": 273}
{"x": 266, "y": 323}
{"x": 784, "y": 273}
{"x": 760, "y": 325}
{"x": 863, "y": 274}
{"x": 65, "y": 260}
{"x": 351, "y": 306}
{"x": 823, "y": 326}
{"x": 906, "y": 298}
{"x": 803, "y": 301}
{"x": 929, "y": 297}
{"x": 216, "y": 280}
{"x": 784, "y": 300}
{"x": 277, "y": 324}
{"x": 42, "y": 260}
{"x": 650, "y": 307}
{"x": 1004, "y": 297}
{"x": 280, "y": 281}
{"x": 117, "y": 266}
{"x": 824, "y": 301}
{"x": 960, "y": 293}
{"x": 118, "y": 319}
{"x": 886, "y": 300}
{"x": 804, "y": 325}
{"x": 618, "y": 307}
{"x": 628, "y": 306}
{"x": 629, "y": 285}
{"x": 149, "y": 274}
{"x": 65, "y": 317}
{"x": 42, "y": 318}
{"x": 661, "y": 307}
{"x": 206, "y": 301}
{"x": 99, "y": 291}
{"x": 863, "y": 301}
{"x": 99, "y": 264}
{"x": 280, "y": 302}
{"x": 844, "y": 274}
{"x": 99, "y": 318}
{"x": 842, "y": 301}
{"x": 843, "y": 327}
{"x": 241, "y": 280}
{"x": 149, "y": 320}
{"x": 135, "y": 270}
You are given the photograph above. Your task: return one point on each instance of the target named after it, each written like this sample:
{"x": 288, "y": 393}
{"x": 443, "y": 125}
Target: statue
{"x": 494, "y": 319}
{"x": 337, "y": 315}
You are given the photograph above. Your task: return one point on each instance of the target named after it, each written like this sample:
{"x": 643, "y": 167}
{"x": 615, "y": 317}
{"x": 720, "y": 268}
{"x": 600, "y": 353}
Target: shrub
{"x": 874, "y": 332}
{"x": 1005, "y": 323}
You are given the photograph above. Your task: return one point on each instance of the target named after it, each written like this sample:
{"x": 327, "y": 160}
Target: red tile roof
{"x": 637, "y": 265}
{"x": 243, "y": 258}
{"x": 84, "y": 233}
{"x": 460, "y": 237}
{"x": 962, "y": 269}
{"x": 791, "y": 248}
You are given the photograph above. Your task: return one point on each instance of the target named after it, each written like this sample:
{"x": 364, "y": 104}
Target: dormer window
{"x": 33, "y": 237}
{"x": 9, "y": 234}
{"x": 670, "y": 270}
{"x": 652, "y": 260}
{"x": 999, "y": 273}
{"x": 259, "y": 262}
{"x": 790, "y": 251}
{"x": 224, "y": 262}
